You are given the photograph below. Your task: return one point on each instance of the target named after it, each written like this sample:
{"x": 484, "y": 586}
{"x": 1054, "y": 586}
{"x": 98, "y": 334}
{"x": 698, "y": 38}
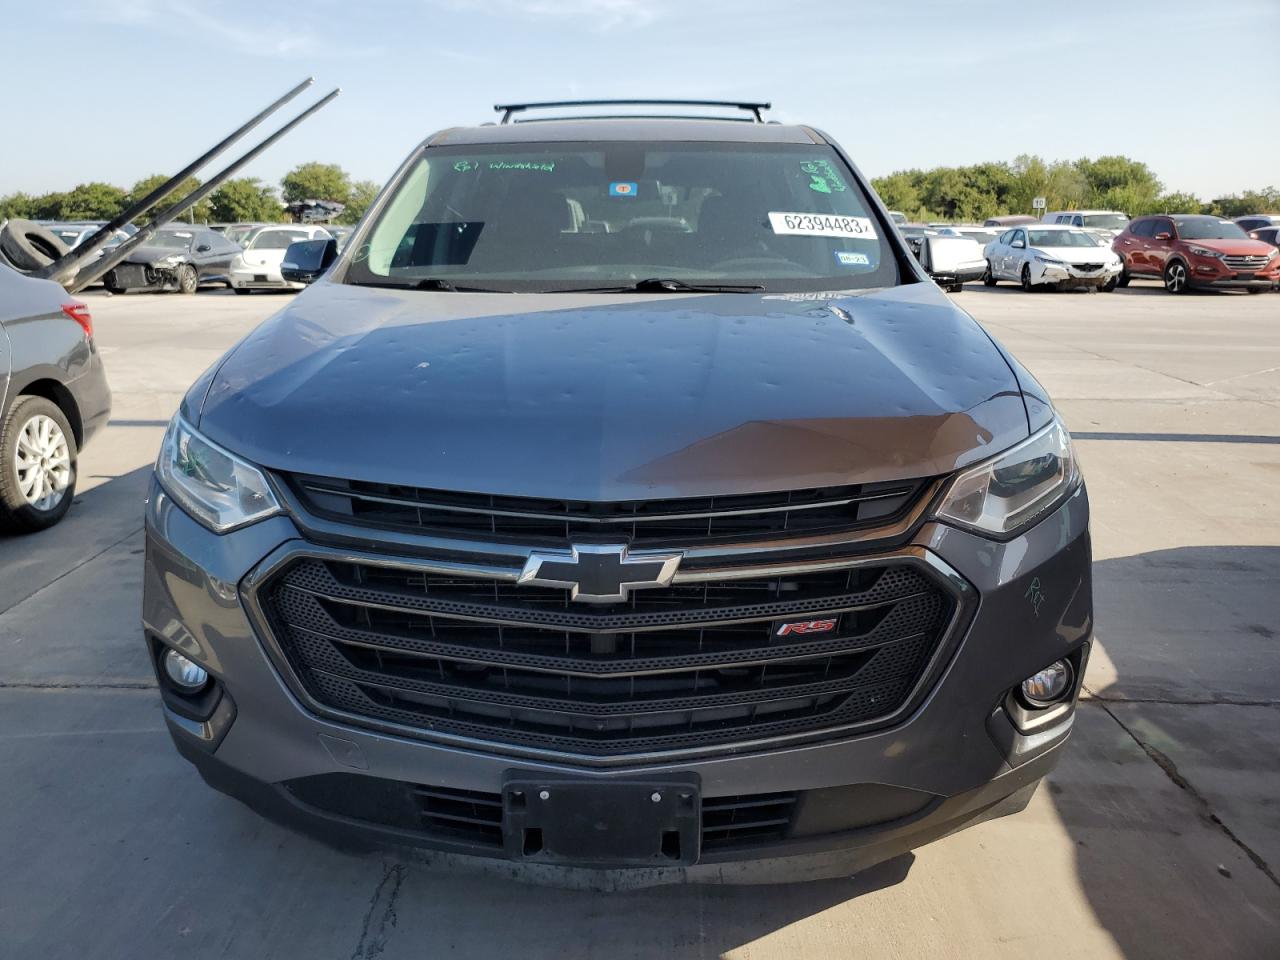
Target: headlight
{"x": 1203, "y": 251}
{"x": 1050, "y": 261}
{"x": 217, "y": 488}
{"x": 1007, "y": 493}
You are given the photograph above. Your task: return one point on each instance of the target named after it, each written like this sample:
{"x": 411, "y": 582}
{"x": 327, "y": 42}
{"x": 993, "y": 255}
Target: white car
{"x": 951, "y": 261}
{"x": 1040, "y": 255}
{"x": 257, "y": 267}
{"x": 1107, "y": 224}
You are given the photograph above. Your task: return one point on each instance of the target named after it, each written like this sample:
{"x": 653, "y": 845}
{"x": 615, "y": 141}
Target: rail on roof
{"x": 755, "y": 108}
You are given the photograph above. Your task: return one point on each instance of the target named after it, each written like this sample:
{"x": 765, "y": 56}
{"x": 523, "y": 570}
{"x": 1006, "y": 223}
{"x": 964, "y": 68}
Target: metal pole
{"x": 145, "y": 233}
{"x": 65, "y": 266}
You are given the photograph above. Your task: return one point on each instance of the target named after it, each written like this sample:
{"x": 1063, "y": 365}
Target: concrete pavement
{"x": 1158, "y": 836}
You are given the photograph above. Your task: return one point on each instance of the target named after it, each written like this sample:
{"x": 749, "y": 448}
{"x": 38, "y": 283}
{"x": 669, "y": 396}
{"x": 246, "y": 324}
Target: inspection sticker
{"x": 622, "y": 188}
{"x": 852, "y": 259}
{"x": 822, "y": 225}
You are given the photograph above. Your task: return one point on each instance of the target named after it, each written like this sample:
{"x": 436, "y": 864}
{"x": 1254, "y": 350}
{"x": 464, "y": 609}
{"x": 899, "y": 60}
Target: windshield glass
{"x": 277, "y": 239}
{"x": 1106, "y": 221}
{"x": 1061, "y": 238}
{"x": 70, "y": 237}
{"x": 1209, "y": 228}
{"x": 171, "y": 238}
{"x": 561, "y": 216}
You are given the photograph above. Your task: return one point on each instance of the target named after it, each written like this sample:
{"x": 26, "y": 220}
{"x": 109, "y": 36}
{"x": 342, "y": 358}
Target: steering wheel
{"x": 752, "y": 262}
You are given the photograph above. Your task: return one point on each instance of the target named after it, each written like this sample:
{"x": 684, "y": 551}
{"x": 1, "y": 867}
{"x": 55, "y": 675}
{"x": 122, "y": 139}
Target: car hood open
{"x": 613, "y": 397}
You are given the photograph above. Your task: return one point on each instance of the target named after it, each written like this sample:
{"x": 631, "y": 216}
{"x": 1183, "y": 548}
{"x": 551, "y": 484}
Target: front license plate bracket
{"x": 606, "y": 823}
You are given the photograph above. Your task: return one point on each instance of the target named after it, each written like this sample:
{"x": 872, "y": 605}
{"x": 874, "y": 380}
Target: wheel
{"x": 1110, "y": 284}
{"x": 37, "y": 465}
{"x": 188, "y": 281}
{"x": 1175, "y": 277}
{"x": 1123, "y": 279}
{"x": 956, "y": 287}
{"x": 1027, "y": 285}
{"x": 988, "y": 277}
{"x": 29, "y": 246}
{"x": 114, "y": 289}
{"x": 241, "y": 290}
{"x": 1254, "y": 289}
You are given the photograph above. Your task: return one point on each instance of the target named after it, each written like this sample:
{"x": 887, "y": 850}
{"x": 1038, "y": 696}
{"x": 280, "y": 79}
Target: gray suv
{"x": 622, "y": 496}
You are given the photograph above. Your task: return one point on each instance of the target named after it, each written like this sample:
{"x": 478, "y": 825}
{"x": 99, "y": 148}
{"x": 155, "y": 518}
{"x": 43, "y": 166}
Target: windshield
{"x": 1209, "y": 228}
{"x": 1106, "y": 221}
{"x": 1061, "y": 238}
{"x": 169, "y": 238}
{"x": 70, "y": 237}
{"x": 277, "y": 239}
{"x": 559, "y": 216}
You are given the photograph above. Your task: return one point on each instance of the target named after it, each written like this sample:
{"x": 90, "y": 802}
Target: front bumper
{"x": 1210, "y": 272}
{"x": 1069, "y": 275}
{"x": 260, "y": 278}
{"x": 861, "y": 798}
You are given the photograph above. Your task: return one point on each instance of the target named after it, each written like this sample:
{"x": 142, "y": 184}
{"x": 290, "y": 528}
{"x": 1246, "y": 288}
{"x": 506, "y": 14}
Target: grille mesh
{"x": 673, "y": 668}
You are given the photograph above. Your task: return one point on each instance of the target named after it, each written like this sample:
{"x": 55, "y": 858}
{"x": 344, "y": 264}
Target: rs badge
{"x": 806, "y": 626}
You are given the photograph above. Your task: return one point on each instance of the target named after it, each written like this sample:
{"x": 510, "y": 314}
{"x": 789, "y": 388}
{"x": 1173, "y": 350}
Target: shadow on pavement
{"x": 1167, "y": 788}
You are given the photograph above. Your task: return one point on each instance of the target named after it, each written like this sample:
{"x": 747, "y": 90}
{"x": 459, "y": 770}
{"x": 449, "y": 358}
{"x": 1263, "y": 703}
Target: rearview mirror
{"x": 306, "y": 260}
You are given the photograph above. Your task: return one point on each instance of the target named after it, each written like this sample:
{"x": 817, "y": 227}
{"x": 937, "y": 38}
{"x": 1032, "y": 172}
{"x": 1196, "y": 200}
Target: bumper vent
{"x": 679, "y": 668}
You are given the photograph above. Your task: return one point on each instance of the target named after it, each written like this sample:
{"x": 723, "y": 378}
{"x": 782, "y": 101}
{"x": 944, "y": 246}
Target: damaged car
{"x": 178, "y": 258}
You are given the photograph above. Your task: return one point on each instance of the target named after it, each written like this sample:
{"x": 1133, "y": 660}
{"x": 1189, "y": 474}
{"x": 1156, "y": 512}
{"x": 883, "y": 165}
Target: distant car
{"x": 1269, "y": 235}
{"x": 1189, "y": 251}
{"x": 53, "y": 399}
{"x": 341, "y": 234}
{"x": 75, "y": 233}
{"x": 1103, "y": 223}
{"x": 177, "y": 258}
{"x": 898, "y": 217}
{"x": 1255, "y": 220}
{"x": 1059, "y": 256}
{"x": 981, "y": 235}
{"x": 257, "y": 266}
{"x": 236, "y": 232}
{"x": 1012, "y": 220}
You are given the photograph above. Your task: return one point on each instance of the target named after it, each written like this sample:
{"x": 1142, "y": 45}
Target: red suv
{"x": 1187, "y": 251}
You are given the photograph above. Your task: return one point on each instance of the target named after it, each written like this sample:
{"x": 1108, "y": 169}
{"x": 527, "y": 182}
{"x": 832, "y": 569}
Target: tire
{"x": 1175, "y": 276}
{"x": 30, "y": 246}
{"x": 242, "y": 291}
{"x": 1027, "y": 285}
{"x": 1123, "y": 279}
{"x": 956, "y": 287}
{"x": 1110, "y": 284}
{"x": 188, "y": 279}
{"x": 1254, "y": 289}
{"x": 45, "y": 433}
{"x": 112, "y": 287}
{"x": 989, "y": 278}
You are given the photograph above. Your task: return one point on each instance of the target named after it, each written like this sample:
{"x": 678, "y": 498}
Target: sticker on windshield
{"x": 822, "y": 225}
{"x": 623, "y": 188}
{"x": 849, "y": 259}
{"x": 462, "y": 166}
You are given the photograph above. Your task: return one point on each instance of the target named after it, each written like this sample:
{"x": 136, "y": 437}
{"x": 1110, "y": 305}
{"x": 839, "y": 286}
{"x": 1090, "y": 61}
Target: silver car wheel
{"x": 43, "y": 462}
{"x": 1175, "y": 278}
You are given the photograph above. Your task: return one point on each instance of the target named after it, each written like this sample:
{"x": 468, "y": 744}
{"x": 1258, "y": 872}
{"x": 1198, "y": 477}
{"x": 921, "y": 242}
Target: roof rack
{"x": 752, "y": 107}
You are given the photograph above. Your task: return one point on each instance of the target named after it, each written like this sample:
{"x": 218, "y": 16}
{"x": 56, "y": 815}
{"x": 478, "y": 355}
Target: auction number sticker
{"x": 822, "y": 225}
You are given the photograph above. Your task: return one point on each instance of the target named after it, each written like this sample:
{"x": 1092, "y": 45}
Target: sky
{"x": 116, "y": 90}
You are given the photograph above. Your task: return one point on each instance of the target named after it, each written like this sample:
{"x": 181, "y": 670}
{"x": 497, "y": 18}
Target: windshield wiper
{"x": 439, "y": 283}
{"x": 671, "y": 285}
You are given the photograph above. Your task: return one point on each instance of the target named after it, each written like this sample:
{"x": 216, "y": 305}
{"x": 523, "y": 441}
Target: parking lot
{"x": 1159, "y": 834}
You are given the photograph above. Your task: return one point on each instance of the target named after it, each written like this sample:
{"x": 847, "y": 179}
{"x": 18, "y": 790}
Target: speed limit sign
{"x": 1037, "y": 203}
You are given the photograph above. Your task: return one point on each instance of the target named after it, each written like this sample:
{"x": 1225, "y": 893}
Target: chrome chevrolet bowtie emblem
{"x": 600, "y": 573}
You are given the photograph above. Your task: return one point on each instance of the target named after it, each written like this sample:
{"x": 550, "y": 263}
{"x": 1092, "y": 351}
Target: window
{"x": 1143, "y": 228}
{"x": 1019, "y": 236}
{"x": 278, "y": 239}
{"x": 1061, "y": 238}
{"x": 560, "y": 216}
{"x": 1209, "y": 228}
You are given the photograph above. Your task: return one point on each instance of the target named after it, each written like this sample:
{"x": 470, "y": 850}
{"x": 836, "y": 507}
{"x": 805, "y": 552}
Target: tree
{"x": 1175, "y": 203}
{"x": 91, "y": 201}
{"x": 200, "y": 214}
{"x": 900, "y": 191}
{"x": 1266, "y": 200}
{"x": 362, "y": 194}
{"x": 245, "y": 200}
{"x": 16, "y": 205}
{"x": 316, "y": 181}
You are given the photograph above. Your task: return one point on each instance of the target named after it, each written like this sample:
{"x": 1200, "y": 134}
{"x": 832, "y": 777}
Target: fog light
{"x": 1047, "y": 686}
{"x": 187, "y": 676}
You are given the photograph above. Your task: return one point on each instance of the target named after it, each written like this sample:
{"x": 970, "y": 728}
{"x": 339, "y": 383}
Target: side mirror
{"x": 1018, "y": 245}
{"x": 306, "y": 260}
{"x": 203, "y": 248}
{"x": 1163, "y": 236}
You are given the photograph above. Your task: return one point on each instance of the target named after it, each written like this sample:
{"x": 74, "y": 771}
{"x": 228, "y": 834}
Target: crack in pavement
{"x": 1205, "y": 810}
{"x": 60, "y": 685}
{"x": 373, "y": 937}
{"x": 1177, "y": 702}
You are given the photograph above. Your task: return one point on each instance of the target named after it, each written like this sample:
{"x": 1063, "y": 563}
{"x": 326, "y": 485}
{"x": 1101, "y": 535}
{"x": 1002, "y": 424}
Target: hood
{"x": 151, "y": 254}
{"x": 1235, "y": 248}
{"x": 1078, "y": 254}
{"x": 614, "y": 398}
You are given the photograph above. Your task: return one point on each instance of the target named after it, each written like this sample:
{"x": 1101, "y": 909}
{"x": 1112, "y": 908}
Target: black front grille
{"x": 412, "y": 509}
{"x": 681, "y": 667}
{"x": 1087, "y": 267}
{"x": 742, "y": 821}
